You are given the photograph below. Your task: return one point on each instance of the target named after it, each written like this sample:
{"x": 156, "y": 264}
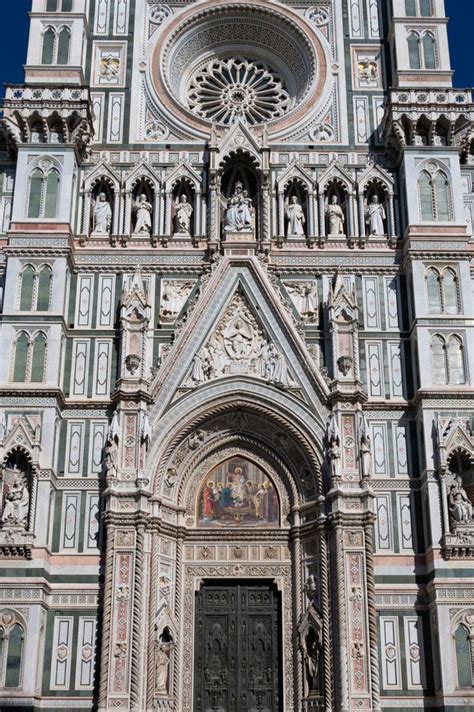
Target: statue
{"x": 111, "y": 459}
{"x": 334, "y": 449}
{"x": 238, "y": 216}
{"x": 375, "y": 217}
{"x": 17, "y": 502}
{"x": 460, "y": 506}
{"x": 365, "y": 448}
{"x": 144, "y": 211}
{"x": 295, "y": 217}
{"x": 162, "y": 666}
{"x": 174, "y": 297}
{"x": 183, "y": 214}
{"x": 102, "y": 215}
{"x": 311, "y": 645}
{"x": 336, "y": 217}
{"x": 305, "y": 297}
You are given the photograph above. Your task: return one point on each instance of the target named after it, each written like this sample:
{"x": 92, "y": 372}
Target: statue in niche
{"x": 336, "y": 217}
{"x": 17, "y": 499}
{"x": 238, "y": 216}
{"x": 183, "y": 214}
{"x": 460, "y": 506}
{"x": 295, "y": 216}
{"x": 312, "y": 645}
{"x": 334, "y": 448}
{"x": 375, "y": 217}
{"x": 111, "y": 459}
{"x": 305, "y": 297}
{"x": 143, "y": 211}
{"x": 102, "y": 215}
{"x": 366, "y": 455}
{"x": 174, "y": 297}
{"x": 278, "y": 370}
{"x": 162, "y": 667}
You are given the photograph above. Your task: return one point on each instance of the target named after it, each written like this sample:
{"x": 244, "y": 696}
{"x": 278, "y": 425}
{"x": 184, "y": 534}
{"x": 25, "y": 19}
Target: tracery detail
{"x": 228, "y": 89}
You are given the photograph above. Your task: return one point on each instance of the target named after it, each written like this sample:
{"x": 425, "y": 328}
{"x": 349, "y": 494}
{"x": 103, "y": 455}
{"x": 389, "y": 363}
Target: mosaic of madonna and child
{"x": 237, "y": 493}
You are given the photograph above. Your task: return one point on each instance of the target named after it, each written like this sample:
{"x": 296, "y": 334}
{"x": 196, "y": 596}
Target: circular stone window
{"x": 222, "y": 61}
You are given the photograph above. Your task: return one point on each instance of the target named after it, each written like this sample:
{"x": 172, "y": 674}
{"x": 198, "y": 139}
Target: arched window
{"x": 410, "y": 8}
{"x": 414, "y": 51}
{"x": 44, "y": 190}
{"x": 429, "y": 51}
{"x": 426, "y": 8}
{"x": 456, "y": 361}
{"x": 49, "y": 41}
{"x": 38, "y": 360}
{"x": 463, "y": 657}
{"x": 64, "y": 40}
{"x": 450, "y": 292}
{"x": 14, "y": 656}
{"x": 21, "y": 358}
{"x": 27, "y": 285}
{"x": 433, "y": 285}
{"x": 438, "y": 360}
{"x": 426, "y": 197}
{"x": 434, "y": 196}
{"x": 44, "y": 289}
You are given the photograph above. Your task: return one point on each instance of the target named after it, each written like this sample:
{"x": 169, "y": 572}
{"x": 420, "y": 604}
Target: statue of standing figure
{"x": 336, "y": 217}
{"x": 144, "y": 210}
{"x": 295, "y": 216}
{"x": 238, "y": 216}
{"x": 102, "y": 215}
{"x": 17, "y": 502}
{"x": 183, "y": 214}
{"x": 375, "y": 216}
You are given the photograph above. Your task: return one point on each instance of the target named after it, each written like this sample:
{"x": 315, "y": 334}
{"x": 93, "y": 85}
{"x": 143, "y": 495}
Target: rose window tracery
{"x": 227, "y": 89}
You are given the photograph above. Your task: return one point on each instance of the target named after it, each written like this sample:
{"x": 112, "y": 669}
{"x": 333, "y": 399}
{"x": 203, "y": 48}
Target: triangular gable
{"x": 142, "y": 170}
{"x": 244, "y": 280}
{"x": 102, "y": 170}
{"x": 374, "y": 172}
{"x": 295, "y": 172}
{"x": 182, "y": 170}
{"x": 335, "y": 172}
{"x": 239, "y": 139}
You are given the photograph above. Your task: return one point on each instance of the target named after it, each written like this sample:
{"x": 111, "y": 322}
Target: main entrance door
{"x": 237, "y": 648}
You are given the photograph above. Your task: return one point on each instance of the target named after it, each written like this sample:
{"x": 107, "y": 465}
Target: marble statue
{"x": 183, "y": 214}
{"x": 17, "y": 502}
{"x": 174, "y": 297}
{"x": 312, "y": 645}
{"x": 460, "y": 506}
{"x": 336, "y": 217}
{"x": 111, "y": 459}
{"x": 295, "y": 216}
{"x": 238, "y": 216}
{"x": 144, "y": 211}
{"x": 102, "y": 215}
{"x": 162, "y": 667}
{"x": 305, "y": 297}
{"x": 375, "y": 217}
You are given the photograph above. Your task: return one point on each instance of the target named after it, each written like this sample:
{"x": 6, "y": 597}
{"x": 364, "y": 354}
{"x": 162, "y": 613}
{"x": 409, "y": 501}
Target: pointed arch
{"x": 438, "y": 360}
{"x": 27, "y": 287}
{"x": 433, "y": 288}
{"x": 20, "y": 365}
{"x": 429, "y": 51}
{"x": 64, "y": 43}
{"x": 441, "y": 196}
{"x": 14, "y": 657}
{"x": 49, "y": 42}
{"x": 36, "y": 190}
{"x": 462, "y": 640}
{"x": 414, "y": 50}
{"x": 450, "y": 291}
{"x": 38, "y": 361}
{"x": 44, "y": 288}
{"x": 51, "y": 196}
{"x": 455, "y": 351}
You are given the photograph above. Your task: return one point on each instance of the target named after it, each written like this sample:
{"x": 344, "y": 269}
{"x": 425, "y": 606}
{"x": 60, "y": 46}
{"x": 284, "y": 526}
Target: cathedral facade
{"x": 236, "y": 360}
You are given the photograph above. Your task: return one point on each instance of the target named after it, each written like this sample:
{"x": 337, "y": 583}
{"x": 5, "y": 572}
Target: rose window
{"x": 228, "y": 89}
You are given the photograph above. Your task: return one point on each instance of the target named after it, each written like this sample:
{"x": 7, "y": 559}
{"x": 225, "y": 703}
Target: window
{"x": 434, "y": 196}
{"x": 442, "y": 291}
{"x": 35, "y": 288}
{"x": 56, "y": 45}
{"x": 463, "y": 657}
{"x": 422, "y": 51}
{"x": 55, "y": 5}
{"x": 51, "y": 5}
{"x": 11, "y": 652}
{"x": 414, "y": 8}
{"x": 29, "y": 358}
{"x": 447, "y": 360}
{"x": 44, "y": 189}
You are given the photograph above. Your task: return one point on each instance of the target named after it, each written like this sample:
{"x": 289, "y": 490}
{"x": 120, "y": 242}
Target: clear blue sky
{"x": 15, "y": 24}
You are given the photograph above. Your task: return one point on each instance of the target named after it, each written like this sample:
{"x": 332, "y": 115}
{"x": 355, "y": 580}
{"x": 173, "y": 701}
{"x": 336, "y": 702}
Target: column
{"x": 168, "y": 204}
{"x": 156, "y": 213}
{"x": 392, "y": 226}
{"x": 126, "y": 222}
{"x": 322, "y": 216}
{"x": 197, "y": 214}
{"x": 281, "y": 214}
{"x": 116, "y": 219}
{"x": 362, "y": 216}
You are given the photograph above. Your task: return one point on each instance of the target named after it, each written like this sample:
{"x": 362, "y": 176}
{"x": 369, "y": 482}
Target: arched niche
{"x": 377, "y": 208}
{"x": 16, "y": 479}
{"x": 237, "y": 493}
{"x": 296, "y": 196}
{"x": 183, "y": 207}
{"x": 143, "y": 202}
{"x": 337, "y": 209}
{"x": 102, "y": 218}
{"x": 240, "y": 195}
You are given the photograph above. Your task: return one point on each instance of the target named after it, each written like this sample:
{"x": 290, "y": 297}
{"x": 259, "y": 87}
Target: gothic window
{"x": 438, "y": 358}
{"x": 433, "y": 286}
{"x": 49, "y": 41}
{"x": 429, "y": 51}
{"x": 56, "y": 46}
{"x": 44, "y": 288}
{"x": 27, "y": 285}
{"x": 51, "y": 5}
{"x": 66, "y": 5}
{"x": 426, "y": 8}
{"x": 63, "y": 5}
{"x": 410, "y": 8}
{"x": 434, "y": 196}
{"x": 418, "y": 7}
{"x": 414, "y": 51}
{"x": 463, "y": 657}
{"x": 456, "y": 361}
{"x": 30, "y": 358}
{"x": 450, "y": 292}
{"x": 44, "y": 189}
{"x": 21, "y": 358}
{"x": 13, "y": 654}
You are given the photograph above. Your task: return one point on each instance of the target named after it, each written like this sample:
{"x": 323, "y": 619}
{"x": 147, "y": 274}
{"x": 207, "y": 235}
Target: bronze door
{"x": 237, "y": 648}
